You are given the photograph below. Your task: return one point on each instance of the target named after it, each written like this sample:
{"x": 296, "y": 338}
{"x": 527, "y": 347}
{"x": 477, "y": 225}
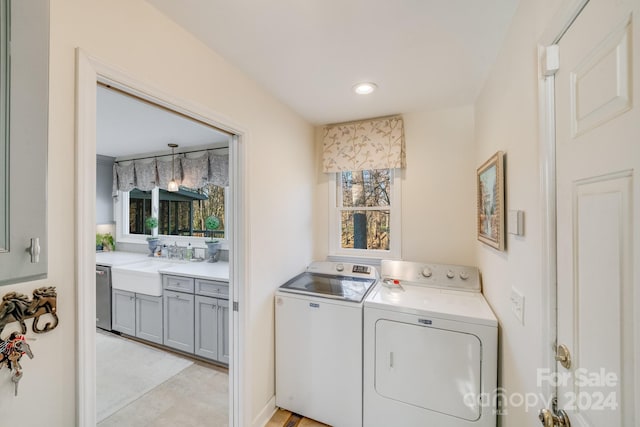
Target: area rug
{"x": 126, "y": 370}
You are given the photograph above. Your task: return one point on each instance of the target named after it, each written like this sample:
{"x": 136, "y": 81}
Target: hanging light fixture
{"x": 173, "y": 185}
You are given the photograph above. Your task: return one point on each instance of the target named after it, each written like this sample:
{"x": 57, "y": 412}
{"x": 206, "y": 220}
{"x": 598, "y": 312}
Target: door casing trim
{"x": 89, "y": 72}
{"x": 557, "y": 27}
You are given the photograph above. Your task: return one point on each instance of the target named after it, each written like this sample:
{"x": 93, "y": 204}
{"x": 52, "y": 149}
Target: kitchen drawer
{"x": 212, "y": 288}
{"x": 178, "y": 283}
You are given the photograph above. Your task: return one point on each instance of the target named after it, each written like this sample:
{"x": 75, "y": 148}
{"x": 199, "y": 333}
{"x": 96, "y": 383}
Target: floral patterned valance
{"x": 195, "y": 171}
{"x": 368, "y": 144}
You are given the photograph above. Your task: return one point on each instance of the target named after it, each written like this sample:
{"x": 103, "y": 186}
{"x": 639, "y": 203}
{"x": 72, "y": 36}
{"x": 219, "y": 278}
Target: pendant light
{"x": 173, "y": 185}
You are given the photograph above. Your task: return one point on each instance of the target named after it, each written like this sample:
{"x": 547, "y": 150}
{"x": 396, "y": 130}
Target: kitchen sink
{"x": 140, "y": 277}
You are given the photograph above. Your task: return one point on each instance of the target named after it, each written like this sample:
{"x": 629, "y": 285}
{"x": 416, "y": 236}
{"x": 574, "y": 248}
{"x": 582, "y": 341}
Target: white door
{"x": 597, "y": 90}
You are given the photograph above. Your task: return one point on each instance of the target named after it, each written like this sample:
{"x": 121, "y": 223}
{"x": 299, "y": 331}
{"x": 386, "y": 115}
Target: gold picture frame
{"x": 490, "y": 195}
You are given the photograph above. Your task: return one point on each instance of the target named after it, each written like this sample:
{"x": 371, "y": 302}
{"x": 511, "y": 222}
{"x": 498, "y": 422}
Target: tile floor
{"x": 196, "y": 397}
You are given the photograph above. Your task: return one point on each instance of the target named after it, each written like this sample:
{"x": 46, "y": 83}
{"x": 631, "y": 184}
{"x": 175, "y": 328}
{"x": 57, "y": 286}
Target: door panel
{"x": 598, "y": 201}
{"x": 23, "y": 211}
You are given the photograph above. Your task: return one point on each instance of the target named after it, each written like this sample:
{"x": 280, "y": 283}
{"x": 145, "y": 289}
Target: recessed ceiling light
{"x": 364, "y": 88}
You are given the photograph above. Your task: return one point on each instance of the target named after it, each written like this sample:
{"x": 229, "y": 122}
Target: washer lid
{"x": 330, "y": 286}
{"x": 462, "y": 306}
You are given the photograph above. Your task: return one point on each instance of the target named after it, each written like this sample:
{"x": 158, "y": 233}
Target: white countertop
{"x": 114, "y": 259}
{"x": 199, "y": 270}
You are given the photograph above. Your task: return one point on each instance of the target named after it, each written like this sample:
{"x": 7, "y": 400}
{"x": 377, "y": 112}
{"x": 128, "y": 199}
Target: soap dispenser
{"x": 189, "y": 252}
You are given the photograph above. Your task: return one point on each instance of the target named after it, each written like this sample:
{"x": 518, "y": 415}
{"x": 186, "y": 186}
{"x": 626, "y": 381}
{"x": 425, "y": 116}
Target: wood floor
{"x": 283, "y": 418}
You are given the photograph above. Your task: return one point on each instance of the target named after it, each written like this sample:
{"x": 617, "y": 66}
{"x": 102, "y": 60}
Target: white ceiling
{"x": 423, "y": 54}
{"x": 128, "y": 127}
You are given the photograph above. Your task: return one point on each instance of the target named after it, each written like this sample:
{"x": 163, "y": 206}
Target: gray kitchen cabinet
{"x": 24, "y": 78}
{"x": 149, "y": 318}
{"x": 205, "y": 331}
{"x": 123, "y": 312}
{"x": 212, "y": 328}
{"x": 206, "y": 324}
{"x": 137, "y": 315}
{"x": 179, "y": 320}
{"x": 223, "y": 331}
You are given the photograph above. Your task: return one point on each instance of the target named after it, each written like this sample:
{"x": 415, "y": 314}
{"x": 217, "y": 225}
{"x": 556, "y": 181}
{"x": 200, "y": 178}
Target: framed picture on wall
{"x": 490, "y": 194}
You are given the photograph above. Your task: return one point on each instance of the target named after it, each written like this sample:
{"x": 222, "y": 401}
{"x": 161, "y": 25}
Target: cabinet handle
{"x": 34, "y": 250}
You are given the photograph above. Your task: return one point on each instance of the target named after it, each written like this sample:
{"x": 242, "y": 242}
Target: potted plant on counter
{"x": 105, "y": 242}
{"x": 152, "y": 241}
{"x": 212, "y": 223}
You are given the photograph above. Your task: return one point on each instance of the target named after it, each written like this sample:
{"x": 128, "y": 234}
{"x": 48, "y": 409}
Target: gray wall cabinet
{"x": 123, "y": 312}
{"x": 178, "y": 320}
{"x": 24, "y": 78}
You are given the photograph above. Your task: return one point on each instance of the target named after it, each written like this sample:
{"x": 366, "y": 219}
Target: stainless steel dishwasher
{"x": 103, "y": 297}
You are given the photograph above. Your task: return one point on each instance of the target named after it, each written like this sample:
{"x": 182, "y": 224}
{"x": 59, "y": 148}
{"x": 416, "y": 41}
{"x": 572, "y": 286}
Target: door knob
{"x": 549, "y": 419}
{"x": 563, "y": 356}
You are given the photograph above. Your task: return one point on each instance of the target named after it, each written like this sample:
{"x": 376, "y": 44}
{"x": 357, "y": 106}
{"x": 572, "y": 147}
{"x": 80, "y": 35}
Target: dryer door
{"x": 435, "y": 369}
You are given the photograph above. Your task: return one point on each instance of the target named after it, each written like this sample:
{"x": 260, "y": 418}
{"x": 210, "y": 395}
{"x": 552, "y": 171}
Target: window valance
{"x": 368, "y": 144}
{"x": 195, "y": 170}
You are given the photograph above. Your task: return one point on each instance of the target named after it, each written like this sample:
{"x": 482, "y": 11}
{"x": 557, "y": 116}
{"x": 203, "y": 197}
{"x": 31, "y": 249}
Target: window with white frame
{"x": 181, "y": 213}
{"x": 365, "y": 217}
{"x": 364, "y": 160}
{"x": 141, "y": 190}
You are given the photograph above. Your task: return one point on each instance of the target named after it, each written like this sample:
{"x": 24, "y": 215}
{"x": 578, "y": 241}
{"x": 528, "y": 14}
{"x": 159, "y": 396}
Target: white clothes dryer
{"x": 430, "y": 348}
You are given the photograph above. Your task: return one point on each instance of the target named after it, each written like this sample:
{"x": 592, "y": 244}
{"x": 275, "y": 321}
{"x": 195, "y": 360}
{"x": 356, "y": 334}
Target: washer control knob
{"x": 450, "y": 274}
{"x": 426, "y": 272}
{"x": 339, "y": 267}
{"x": 464, "y": 275}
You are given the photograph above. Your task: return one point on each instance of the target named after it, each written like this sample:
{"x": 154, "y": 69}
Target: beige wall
{"x": 132, "y": 36}
{"x": 438, "y": 190}
{"x": 438, "y": 193}
{"x": 507, "y": 119}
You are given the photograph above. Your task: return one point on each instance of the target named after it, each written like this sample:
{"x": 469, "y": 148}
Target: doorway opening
{"x": 91, "y": 75}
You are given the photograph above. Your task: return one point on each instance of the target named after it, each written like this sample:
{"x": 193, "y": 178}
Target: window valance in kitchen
{"x": 193, "y": 170}
{"x": 368, "y": 144}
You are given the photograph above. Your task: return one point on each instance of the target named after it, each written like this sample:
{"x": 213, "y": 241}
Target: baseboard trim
{"x": 265, "y": 414}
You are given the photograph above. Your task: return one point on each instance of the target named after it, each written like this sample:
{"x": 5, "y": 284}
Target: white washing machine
{"x": 430, "y": 348}
{"x": 319, "y": 342}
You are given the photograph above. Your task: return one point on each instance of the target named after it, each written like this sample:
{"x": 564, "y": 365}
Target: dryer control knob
{"x": 426, "y": 272}
{"x": 464, "y": 275}
{"x": 450, "y": 274}
{"x": 339, "y": 267}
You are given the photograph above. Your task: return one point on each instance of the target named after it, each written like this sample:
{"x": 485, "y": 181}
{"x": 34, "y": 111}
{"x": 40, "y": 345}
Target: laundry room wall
{"x": 507, "y": 119}
{"x": 132, "y": 36}
{"x": 438, "y": 193}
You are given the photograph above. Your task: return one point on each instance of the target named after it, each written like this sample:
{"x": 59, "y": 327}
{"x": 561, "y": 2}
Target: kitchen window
{"x": 365, "y": 217}
{"x": 180, "y": 213}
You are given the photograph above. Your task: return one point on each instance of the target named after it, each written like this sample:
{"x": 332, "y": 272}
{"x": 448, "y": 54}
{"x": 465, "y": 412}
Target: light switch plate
{"x": 517, "y": 304}
{"x": 515, "y": 222}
